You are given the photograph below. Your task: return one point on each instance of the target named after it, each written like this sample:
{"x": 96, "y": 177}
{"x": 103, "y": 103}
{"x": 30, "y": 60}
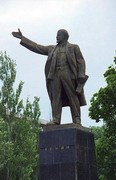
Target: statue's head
{"x": 62, "y": 35}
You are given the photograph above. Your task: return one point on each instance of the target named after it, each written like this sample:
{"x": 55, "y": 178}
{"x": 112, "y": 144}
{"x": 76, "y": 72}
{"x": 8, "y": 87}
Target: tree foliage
{"x": 103, "y": 107}
{"x": 97, "y": 131}
{"x": 19, "y": 127}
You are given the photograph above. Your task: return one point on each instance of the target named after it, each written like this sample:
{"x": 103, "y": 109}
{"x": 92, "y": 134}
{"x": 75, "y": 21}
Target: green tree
{"x": 19, "y": 127}
{"x": 103, "y": 107}
{"x": 97, "y": 131}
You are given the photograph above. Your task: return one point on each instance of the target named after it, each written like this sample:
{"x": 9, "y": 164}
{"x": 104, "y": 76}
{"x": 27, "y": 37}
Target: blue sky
{"x": 91, "y": 25}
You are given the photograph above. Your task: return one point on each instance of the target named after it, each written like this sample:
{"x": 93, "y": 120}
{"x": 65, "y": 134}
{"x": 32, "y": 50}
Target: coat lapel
{"x": 49, "y": 68}
{"x": 51, "y": 53}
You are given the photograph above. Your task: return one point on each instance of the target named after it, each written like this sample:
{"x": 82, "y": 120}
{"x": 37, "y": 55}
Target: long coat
{"x": 75, "y": 61}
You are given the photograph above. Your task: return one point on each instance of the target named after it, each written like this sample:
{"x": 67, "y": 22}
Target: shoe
{"x": 77, "y": 120}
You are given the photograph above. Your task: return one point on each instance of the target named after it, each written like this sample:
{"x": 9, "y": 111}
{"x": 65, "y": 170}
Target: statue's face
{"x": 60, "y": 36}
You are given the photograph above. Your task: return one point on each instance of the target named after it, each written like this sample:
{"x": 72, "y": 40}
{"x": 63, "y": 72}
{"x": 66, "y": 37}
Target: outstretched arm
{"x": 37, "y": 48}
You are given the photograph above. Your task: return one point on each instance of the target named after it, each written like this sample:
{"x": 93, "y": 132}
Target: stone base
{"x": 50, "y": 127}
{"x": 67, "y": 153}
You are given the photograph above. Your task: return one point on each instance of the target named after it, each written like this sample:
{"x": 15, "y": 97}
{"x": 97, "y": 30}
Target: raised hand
{"x": 17, "y": 34}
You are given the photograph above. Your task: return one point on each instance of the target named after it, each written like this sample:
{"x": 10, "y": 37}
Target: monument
{"x": 67, "y": 152}
{"x": 65, "y": 74}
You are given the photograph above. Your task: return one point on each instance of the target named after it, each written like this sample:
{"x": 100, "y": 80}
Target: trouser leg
{"x": 69, "y": 87}
{"x": 56, "y": 102}
{"x": 76, "y": 118}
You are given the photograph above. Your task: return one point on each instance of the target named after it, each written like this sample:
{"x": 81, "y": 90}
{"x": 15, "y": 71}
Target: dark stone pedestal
{"x": 67, "y": 154}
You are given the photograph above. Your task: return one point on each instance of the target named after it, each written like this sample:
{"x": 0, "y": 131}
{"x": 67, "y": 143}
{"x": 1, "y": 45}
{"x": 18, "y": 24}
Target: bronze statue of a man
{"x": 65, "y": 74}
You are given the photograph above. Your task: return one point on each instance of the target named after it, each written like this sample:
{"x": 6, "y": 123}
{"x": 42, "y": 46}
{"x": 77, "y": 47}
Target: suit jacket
{"x": 75, "y": 61}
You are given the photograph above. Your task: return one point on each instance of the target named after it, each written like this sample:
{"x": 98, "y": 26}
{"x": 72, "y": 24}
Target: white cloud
{"x": 28, "y": 10}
